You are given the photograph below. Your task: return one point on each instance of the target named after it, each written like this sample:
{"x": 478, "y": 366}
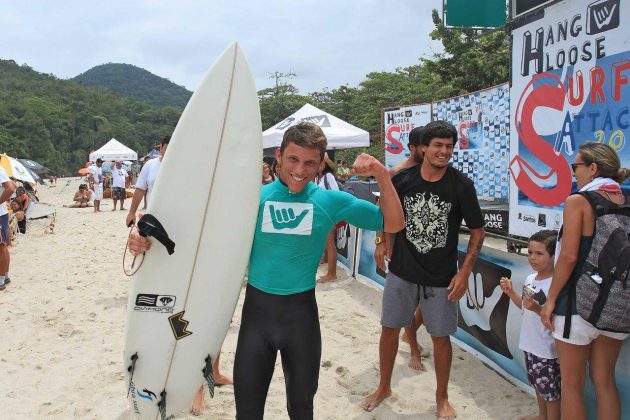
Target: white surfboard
{"x": 206, "y": 197}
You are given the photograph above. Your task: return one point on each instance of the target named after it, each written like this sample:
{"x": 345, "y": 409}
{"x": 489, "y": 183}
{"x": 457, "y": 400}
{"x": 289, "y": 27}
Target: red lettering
{"x": 576, "y": 100}
{"x": 544, "y": 90}
{"x": 394, "y": 146}
{"x": 619, "y": 78}
{"x": 598, "y": 77}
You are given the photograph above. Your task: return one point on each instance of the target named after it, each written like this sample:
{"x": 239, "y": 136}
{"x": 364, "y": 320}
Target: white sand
{"x": 61, "y": 344}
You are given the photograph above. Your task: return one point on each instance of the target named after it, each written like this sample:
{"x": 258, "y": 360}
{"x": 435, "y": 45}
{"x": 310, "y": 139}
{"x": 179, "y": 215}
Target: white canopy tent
{"x": 114, "y": 150}
{"x": 339, "y": 133}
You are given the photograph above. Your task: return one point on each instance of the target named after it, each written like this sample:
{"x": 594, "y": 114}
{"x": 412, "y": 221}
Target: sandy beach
{"x": 62, "y": 340}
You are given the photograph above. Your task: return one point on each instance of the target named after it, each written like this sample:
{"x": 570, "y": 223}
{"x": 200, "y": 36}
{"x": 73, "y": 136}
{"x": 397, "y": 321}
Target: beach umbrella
{"x": 15, "y": 169}
{"x": 35, "y": 167}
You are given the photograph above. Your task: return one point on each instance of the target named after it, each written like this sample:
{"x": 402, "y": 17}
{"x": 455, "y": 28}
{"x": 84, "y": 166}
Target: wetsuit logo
{"x": 287, "y": 218}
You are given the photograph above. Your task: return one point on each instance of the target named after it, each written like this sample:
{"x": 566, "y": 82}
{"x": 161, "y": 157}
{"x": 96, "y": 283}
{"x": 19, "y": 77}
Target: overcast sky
{"x": 327, "y": 43}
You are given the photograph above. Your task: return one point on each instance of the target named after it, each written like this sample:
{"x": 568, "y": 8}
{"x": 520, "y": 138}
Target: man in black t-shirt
{"x": 423, "y": 270}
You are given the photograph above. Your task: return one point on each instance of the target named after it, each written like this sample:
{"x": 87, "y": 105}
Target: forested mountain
{"x": 57, "y": 122}
{"x": 136, "y": 83}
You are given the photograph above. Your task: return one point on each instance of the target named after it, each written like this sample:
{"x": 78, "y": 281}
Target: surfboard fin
{"x": 131, "y": 369}
{"x": 209, "y": 375}
{"x": 148, "y": 225}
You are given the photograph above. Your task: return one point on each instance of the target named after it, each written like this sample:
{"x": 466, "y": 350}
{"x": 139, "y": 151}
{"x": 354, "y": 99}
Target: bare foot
{"x": 327, "y": 278}
{"x": 415, "y": 363}
{"x": 114, "y": 209}
{"x": 198, "y": 405}
{"x": 445, "y": 411}
{"x": 222, "y": 380}
{"x": 375, "y": 399}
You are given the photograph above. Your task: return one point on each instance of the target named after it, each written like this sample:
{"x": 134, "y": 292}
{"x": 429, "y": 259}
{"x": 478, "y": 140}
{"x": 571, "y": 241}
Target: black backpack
{"x": 602, "y": 289}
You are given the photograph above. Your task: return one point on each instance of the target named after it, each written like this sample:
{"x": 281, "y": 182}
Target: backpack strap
{"x": 326, "y": 184}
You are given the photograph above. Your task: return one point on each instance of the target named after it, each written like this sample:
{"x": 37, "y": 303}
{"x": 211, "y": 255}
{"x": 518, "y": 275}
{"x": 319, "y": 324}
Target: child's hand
{"x": 506, "y": 285}
{"x": 531, "y": 304}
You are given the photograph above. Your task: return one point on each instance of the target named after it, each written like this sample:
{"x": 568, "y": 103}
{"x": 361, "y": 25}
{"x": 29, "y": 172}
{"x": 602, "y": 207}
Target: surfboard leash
{"x": 209, "y": 375}
{"x": 133, "y": 262}
{"x": 148, "y": 225}
{"x": 131, "y": 369}
{"x": 162, "y": 406}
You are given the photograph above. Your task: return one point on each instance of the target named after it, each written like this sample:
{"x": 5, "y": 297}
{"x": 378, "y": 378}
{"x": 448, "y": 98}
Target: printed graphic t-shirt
{"x": 425, "y": 251}
{"x": 535, "y": 338}
{"x": 118, "y": 177}
{"x": 291, "y": 233}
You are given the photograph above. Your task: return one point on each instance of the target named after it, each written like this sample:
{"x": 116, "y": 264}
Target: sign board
{"x": 397, "y": 123}
{"x": 570, "y": 85}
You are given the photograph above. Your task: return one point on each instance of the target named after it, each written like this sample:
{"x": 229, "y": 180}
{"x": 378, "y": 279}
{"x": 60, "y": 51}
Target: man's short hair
{"x": 305, "y": 134}
{"x": 415, "y": 136}
{"x": 438, "y": 130}
{"x": 165, "y": 140}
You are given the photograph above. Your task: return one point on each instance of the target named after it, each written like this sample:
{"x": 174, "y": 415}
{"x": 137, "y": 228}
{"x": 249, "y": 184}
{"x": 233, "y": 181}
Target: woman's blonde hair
{"x": 607, "y": 160}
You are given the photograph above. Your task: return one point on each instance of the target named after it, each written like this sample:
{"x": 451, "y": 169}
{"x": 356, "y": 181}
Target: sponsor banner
{"x": 345, "y": 241}
{"x": 397, "y": 123}
{"x": 482, "y": 151}
{"x": 367, "y": 268}
{"x": 570, "y": 85}
{"x": 496, "y": 220}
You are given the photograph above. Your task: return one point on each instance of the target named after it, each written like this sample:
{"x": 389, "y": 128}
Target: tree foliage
{"x": 136, "y": 83}
{"x": 57, "y": 123}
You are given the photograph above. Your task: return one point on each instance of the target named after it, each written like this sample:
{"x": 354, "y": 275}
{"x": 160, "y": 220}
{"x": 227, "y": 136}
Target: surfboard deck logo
{"x": 179, "y": 325}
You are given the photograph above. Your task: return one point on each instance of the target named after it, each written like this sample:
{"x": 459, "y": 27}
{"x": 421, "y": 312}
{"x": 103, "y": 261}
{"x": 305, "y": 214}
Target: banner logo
{"x": 602, "y": 15}
{"x": 155, "y": 303}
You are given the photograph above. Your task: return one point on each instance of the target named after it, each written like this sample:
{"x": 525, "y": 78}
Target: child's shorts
{"x": 544, "y": 375}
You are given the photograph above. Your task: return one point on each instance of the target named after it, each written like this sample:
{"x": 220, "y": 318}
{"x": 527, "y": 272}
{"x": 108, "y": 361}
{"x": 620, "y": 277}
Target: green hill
{"x": 57, "y": 122}
{"x": 136, "y": 83}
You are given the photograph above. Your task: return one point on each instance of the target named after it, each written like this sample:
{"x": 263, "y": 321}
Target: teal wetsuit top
{"x": 291, "y": 233}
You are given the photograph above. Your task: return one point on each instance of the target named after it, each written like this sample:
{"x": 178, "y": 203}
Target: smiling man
{"x": 423, "y": 269}
{"x": 280, "y": 312}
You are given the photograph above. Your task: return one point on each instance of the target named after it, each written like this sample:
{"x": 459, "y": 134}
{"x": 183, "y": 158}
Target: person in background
{"x": 596, "y": 168}
{"x": 18, "y": 212}
{"x": 7, "y": 189}
{"x": 541, "y": 357}
{"x": 97, "y": 186}
{"x": 119, "y": 177}
{"x": 22, "y": 197}
{"x": 327, "y": 181}
{"x": 81, "y": 197}
{"x": 145, "y": 181}
{"x": 267, "y": 176}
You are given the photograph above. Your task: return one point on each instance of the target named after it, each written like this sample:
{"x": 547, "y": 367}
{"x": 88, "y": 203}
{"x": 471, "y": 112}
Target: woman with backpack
{"x": 598, "y": 173}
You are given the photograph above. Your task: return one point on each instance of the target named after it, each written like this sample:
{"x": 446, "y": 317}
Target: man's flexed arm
{"x": 393, "y": 216}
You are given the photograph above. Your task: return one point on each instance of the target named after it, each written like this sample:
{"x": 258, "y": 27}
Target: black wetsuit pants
{"x": 270, "y": 323}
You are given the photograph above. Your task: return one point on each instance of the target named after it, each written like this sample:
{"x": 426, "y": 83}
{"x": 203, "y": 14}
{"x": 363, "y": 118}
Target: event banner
{"x": 345, "y": 241}
{"x": 570, "y": 85}
{"x": 482, "y": 152}
{"x": 397, "y": 123}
